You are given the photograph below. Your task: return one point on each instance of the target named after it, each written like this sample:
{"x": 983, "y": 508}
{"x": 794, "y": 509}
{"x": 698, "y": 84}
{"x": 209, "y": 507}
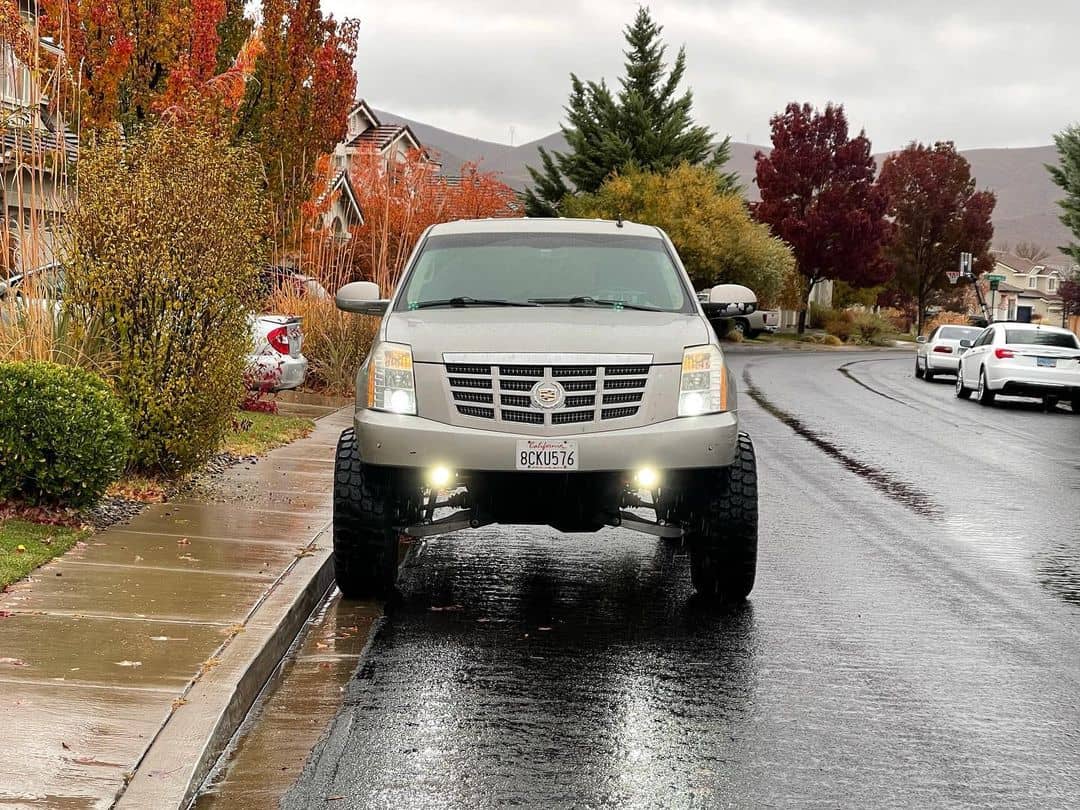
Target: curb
{"x": 198, "y": 731}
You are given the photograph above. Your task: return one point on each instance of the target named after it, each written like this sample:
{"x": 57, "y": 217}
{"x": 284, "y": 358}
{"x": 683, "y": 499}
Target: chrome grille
{"x": 587, "y": 388}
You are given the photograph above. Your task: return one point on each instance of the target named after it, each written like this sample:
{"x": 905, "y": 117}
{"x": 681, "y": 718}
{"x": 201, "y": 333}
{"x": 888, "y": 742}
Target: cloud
{"x": 980, "y": 72}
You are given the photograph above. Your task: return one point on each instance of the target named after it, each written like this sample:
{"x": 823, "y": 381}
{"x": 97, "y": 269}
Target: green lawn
{"x": 38, "y": 543}
{"x": 253, "y": 434}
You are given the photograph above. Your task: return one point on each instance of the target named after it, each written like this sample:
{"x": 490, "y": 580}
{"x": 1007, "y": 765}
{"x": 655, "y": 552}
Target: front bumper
{"x": 394, "y": 440}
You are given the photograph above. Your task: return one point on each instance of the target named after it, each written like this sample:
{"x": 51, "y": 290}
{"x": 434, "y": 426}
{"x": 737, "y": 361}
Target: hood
{"x": 547, "y": 330}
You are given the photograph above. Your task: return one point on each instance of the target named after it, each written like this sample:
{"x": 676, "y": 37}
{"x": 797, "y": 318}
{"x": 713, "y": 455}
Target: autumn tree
{"x": 123, "y": 52}
{"x": 937, "y": 214}
{"x": 401, "y": 200}
{"x": 710, "y": 226}
{"x": 1066, "y": 175}
{"x": 297, "y": 106}
{"x": 818, "y": 195}
{"x": 1069, "y": 290}
{"x": 647, "y": 124}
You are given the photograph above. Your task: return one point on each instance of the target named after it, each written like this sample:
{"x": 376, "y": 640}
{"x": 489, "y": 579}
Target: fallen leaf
{"x": 320, "y": 646}
{"x": 127, "y": 663}
{"x": 183, "y": 541}
{"x": 13, "y": 662}
{"x": 20, "y": 548}
{"x": 178, "y": 702}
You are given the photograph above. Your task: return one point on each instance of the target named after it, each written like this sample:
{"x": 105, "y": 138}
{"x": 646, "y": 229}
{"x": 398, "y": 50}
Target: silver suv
{"x": 544, "y": 371}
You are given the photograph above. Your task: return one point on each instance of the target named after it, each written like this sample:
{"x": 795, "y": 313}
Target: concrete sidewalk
{"x": 100, "y": 649}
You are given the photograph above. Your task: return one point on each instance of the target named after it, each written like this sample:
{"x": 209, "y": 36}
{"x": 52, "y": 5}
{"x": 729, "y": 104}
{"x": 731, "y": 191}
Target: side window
{"x": 930, "y": 338}
{"x": 985, "y": 337}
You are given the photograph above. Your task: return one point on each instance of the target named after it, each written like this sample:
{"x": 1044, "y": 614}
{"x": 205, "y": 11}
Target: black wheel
{"x": 918, "y": 370}
{"x": 741, "y": 326}
{"x": 365, "y": 542}
{"x": 983, "y": 394}
{"x": 962, "y": 391}
{"x": 723, "y": 552}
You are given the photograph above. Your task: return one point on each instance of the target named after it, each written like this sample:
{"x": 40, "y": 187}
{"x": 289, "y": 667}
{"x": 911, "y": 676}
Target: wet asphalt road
{"x": 913, "y": 639}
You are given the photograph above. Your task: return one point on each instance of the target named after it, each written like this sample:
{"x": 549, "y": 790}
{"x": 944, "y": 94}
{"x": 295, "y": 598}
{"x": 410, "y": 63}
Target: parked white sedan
{"x": 1023, "y": 360}
{"x": 939, "y": 352}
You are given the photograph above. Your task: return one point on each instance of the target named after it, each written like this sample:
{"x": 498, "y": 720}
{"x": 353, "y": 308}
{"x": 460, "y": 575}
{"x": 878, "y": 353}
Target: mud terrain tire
{"x": 723, "y": 554}
{"x": 365, "y": 542}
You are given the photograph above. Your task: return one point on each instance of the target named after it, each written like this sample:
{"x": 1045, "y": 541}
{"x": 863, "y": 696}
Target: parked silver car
{"x": 939, "y": 352}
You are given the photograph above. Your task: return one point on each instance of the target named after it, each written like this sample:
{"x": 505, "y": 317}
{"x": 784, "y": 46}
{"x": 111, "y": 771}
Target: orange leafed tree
{"x": 399, "y": 201}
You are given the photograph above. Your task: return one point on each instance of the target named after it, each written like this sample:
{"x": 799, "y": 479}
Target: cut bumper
{"x": 394, "y": 440}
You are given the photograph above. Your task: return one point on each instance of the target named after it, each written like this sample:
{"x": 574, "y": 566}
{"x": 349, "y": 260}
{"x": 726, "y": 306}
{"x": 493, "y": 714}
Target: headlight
{"x": 390, "y": 383}
{"x": 703, "y": 387}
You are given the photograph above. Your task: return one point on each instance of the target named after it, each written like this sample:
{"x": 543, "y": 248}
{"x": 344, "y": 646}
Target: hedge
{"x": 63, "y": 434}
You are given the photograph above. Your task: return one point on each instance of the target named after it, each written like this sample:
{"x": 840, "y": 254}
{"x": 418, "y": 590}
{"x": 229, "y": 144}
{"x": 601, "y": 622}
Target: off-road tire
{"x": 984, "y": 395}
{"x": 918, "y": 370}
{"x": 962, "y": 391}
{"x": 365, "y": 542}
{"x": 723, "y": 553}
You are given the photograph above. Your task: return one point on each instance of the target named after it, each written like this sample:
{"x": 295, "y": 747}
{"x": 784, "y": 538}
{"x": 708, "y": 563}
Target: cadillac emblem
{"x": 547, "y": 394}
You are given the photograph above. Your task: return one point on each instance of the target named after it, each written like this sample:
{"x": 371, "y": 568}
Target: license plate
{"x": 1046, "y": 362}
{"x": 293, "y": 334}
{"x": 543, "y": 454}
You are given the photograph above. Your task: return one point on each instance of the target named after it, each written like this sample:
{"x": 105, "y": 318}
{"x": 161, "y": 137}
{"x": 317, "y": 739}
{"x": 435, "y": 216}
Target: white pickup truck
{"x": 749, "y": 324}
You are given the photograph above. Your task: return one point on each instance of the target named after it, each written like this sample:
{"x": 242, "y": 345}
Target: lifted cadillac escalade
{"x": 544, "y": 371}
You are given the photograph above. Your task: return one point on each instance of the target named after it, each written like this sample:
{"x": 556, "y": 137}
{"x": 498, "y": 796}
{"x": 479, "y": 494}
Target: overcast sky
{"x": 979, "y": 72}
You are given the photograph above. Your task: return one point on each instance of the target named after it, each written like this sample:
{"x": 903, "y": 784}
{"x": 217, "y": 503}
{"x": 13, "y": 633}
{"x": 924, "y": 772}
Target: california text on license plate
{"x": 544, "y": 454}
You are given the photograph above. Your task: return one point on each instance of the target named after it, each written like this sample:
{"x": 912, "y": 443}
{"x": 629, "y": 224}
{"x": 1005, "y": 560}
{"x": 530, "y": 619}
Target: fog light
{"x": 647, "y": 478}
{"x": 439, "y": 477}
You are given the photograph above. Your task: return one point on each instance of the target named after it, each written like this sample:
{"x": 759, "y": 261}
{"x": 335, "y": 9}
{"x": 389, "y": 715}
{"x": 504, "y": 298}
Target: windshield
{"x": 1037, "y": 337}
{"x": 547, "y": 269}
{"x": 959, "y": 333}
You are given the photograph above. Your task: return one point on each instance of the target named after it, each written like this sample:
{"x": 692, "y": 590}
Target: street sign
{"x": 952, "y": 275}
{"x": 994, "y": 277}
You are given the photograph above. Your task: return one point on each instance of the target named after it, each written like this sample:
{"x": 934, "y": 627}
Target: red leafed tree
{"x": 400, "y": 200}
{"x": 296, "y": 108}
{"x": 937, "y": 214}
{"x": 818, "y": 195}
{"x": 124, "y": 51}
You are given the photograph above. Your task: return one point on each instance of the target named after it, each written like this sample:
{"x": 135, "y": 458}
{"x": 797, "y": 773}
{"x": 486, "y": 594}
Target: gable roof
{"x": 342, "y": 186}
{"x": 362, "y": 107}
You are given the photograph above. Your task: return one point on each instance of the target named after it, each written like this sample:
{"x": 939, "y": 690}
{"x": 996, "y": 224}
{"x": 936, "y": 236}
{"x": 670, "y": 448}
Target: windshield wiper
{"x": 466, "y": 301}
{"x": 588, "y": 300}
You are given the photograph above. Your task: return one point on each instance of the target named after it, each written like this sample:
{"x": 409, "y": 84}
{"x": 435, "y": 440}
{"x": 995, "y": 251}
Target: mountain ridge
{"x": 1027, "y": 199}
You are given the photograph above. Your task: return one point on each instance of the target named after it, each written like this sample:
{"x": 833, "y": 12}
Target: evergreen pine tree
{"x": 1067, "y": 176}
{"x": 647, "y": 125}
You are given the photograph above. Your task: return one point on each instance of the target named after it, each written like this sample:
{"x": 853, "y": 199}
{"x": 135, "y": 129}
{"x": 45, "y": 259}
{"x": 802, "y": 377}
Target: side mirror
{"x": 361, "y": 297}
{"x": 965, "y": 344}
{"x": 921, "y": 339}
{"x": 730, "y": 299}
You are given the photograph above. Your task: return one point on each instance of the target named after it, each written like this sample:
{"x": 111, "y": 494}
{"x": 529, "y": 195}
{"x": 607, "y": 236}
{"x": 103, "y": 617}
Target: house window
{"x": 1033, "y": 282}
{"x": 1051, "y": 284}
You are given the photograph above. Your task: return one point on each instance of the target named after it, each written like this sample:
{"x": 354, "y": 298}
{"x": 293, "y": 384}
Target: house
{"x": 365, "y": 134}
{"x": 37, "y": 149}
{"x": 1029, "y": 291}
